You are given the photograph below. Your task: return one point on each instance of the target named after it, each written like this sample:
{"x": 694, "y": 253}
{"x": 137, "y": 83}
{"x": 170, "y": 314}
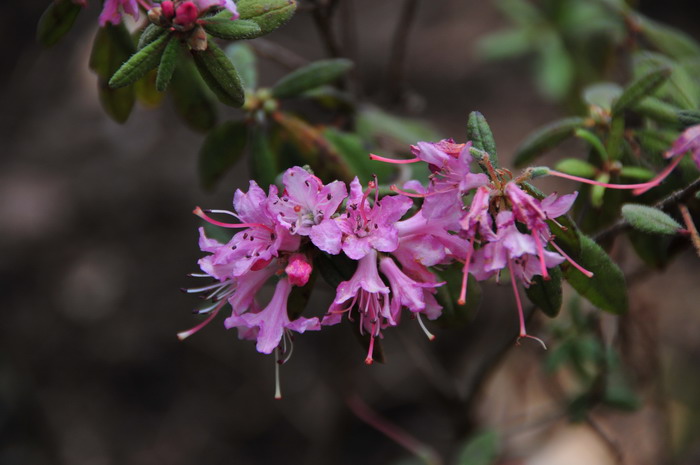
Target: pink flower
{"x": 273, "y": 321}
{"x": 368, "y": 227}
{"x": 261, "y": 240}
{"x": 688, "y": 141}
{"x": 367, "y": 291}
{"x": 299, "y": 269}
{"x": 111, "y": 11}
{"x": 306, "y": 208}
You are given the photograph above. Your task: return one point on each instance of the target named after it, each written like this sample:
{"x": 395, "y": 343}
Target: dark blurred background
{"x": 96, "y": 237}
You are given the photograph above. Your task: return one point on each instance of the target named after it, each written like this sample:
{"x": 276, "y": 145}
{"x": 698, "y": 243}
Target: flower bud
{"x": 299, "y": 269}
{"x": 198, "y": 39}
{"x": 168, "y": 9}
{"x": 185, "y": 15}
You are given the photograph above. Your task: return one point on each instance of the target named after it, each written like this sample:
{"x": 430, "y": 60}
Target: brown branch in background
{"x": 397, "y": 67}
{"x": 277, "y": 53}
{"x": 690, "y": 227}
{"x": 323, "y": 18}
{"x": 393, "y": 432}
{"x": 612, "y": 445}
{"x": 670, "y": 201}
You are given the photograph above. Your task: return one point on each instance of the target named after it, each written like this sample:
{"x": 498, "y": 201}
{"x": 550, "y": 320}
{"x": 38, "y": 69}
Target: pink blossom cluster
{"x": 181, "y": 13}
{"x": 486, "y": 222}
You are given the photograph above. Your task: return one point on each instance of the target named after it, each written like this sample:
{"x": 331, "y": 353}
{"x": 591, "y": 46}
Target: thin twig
{"x": 690, "y": 227}
{"x": 670, "y": 201}
{"x": 396, "y": 73}
{"x": 612, "y": 445}
{"x": 277, "y": 53}
{"x": 394, "y": 432}
{"x": 323, "y": 18}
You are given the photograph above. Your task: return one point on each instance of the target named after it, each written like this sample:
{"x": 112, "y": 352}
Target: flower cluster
{"x": 488, "y": 223}
{"x": 178, "y": 14}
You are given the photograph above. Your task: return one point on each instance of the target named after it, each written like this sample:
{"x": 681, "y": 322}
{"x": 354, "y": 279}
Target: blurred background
{"x": 97, "y": 236}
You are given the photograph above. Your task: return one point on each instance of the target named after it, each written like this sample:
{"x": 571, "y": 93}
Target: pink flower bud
{"x": 168, "y": 9}
{"x": 299, "y": 269}
{"x": 186, "y": 14}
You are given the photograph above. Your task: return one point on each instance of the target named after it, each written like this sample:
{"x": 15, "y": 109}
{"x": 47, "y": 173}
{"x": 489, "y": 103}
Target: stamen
{"x": 521, "y": 317}
{"x": 587, "y": 273}
{"x": 223, "y": 212}
{"x": 394, "y": 188}
{"x": 200, "y": 213}
{"x": 393, "y": 160}
{"x": 465, "y": 274}
{"x": 690, "y": 227}
{"x": 194, "y": 290}
{"x": 201, "y": 311}
{"x": 660, "y": 177}
{"x": 185, "y": 334}
{"x": 278, "y": 390}
{"x": 431, "y": 336}
{"x": 643, "y": 186}
{"x": 540, "y": 252}
{"x": 198, "y": 275}
{"x": 369, "y": 359}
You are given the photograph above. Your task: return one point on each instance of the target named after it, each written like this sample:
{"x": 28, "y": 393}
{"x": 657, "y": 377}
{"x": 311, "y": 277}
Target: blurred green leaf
{"x": 146, "y": 92}
{"x": 618, "y": 393}
{"x": 637, "y": 173}
{"x": 598, "y": 192}
{"x": 140, "y": 63}
{"x": 667, "y": 39}
{"x": 225, "y": 28}
{"x": 594, "y": 142}
{"x": 688, "y": 118}
{"x": 373, "y": 123}
{"x": 480, "y": 449}
{"x": 479, "y": 132}
{"x": 192, "y": 99}
{"x": 334, "y": 268}
{"x": 602, "y": 94}
{"x": 56, "y": 21}
{"x": 220, "y": 75}
{"x": 606, "y": 289}
{"x": 649, "y": 219}
{"x": 546, "y": 294}
{"x": 243, "y": 59}
{"x": 264, "y": 163}
{"x": 268, "y": 14}
{"x": 222, "y": 149}
{"x": 504, "y": 44}
{"x": 455, "y": 315}
{"x": 546, "y": 138}
{"x": 681, "y": 88}
{"x": 657, "y": 110}
{"x": 521, "y": 12}
{"x": 554, "y": 70}
{"x": 310, "y": 77}
{"x": 353, "y": 151}
{"x": 651, "y": 248}
{"x": 112, "y": 46}
{"x": 643, "y": 86}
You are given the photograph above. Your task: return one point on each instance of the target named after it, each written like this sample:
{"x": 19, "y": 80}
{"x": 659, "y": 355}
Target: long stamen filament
{"x": 278, "y": 390}
{"x": 645, "y": 186}
{"x": 185, "y": 334}
{"x": 200, "y": 213}
{"x": 587, "y": 273}
{"x": 431, "y": 336}
{"x": 393, "y": 160}
{"x": 660, "y": 177}
{"x": 465, "y": 274}
{"x": 540, "y": 252}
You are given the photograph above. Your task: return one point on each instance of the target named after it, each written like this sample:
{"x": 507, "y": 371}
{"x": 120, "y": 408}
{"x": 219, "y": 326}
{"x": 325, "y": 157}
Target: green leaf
{"x": 504, "y": 44}
{"x": 140, "y": 63}
{"x": 651, "y": 248}
{"x": 56, "y": 21}
{"x": 168, "y": 63}
{"x": 688, "y": 118}
{"x": 112, "y": 45}
{"x": 594, "y": 141}
{"x": 353, "y": 151}
{"x": 657, "y": 110}
{"x": 481, "y": 449}
{"x": 602, "y": 95}
{"x": 547, "y": 294}
{"x": 606, "y": 289}
{"x": 637, "y": 173}
{"x": 222, "y": 149}
{"x": 146, "y": 92}
{"x": 598, "y": 192}
{"x": 220, "y": 75}
{"x": 554, "y": 69}
{"x": 649, "y": 219}
{"x": 243, "y": 59}
{"x": 681, "y": 89}
{"x": 268, "y": 14}
{"x": 455, "y": 315}
{"x": 644, "y": 86}
{"x": 264, "y": 164}
{"x": 149, "y": 34}
{"x": 479, "y": 132}
{"x": 334, "y": 268}
{"x": 228, "y": 29}
{"x": 374, "y": 123}
{"x": 668, "y": 40}
{"x": 546, "y": 138}
{"x": 193, "y": 101}
{"x": 576, "y": 167}
{"x": 310, "y": 77}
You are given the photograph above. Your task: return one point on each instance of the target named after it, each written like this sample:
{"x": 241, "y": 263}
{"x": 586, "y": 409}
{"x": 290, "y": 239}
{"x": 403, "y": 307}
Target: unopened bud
{"x": 186, "y": 15}
{"x": 168, "y": 9}
{"x": 155, "y": 16}
{"x": 198, "y": 39}
{"x": 299, "y": 269}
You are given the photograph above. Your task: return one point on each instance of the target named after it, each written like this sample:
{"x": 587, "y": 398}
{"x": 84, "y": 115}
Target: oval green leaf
{"x": 228, "y": 29}
{"x": 140, "y": 63}
{"x": 220, "y": 75}
{"x": 479, "y": 132}
{"x": 310, "y": 77}
{"x": 649, "y": 219}
{"x": 547, "y": 294}
{"x": 56, "y": 21}
{"x": 546, "y": 138}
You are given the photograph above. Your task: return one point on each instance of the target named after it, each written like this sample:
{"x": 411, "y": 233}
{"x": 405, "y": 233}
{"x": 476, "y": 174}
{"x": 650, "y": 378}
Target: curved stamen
{"x": 395, "y": 188}
{"x": 540, "y": 252}
{"x": 369, "y": 359}
{"x": 465, "y": 274}
{"x": 185, "y": 334}
{"x": 660, "y": 177}
{"x": 200, "y": 213}
{"x": 587, "y": 273}
{"x": 645, "y": 185}
{"x": 431, "y": 336}
{"x": 393, "y": 160}
{"x": 278, "y": 390}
